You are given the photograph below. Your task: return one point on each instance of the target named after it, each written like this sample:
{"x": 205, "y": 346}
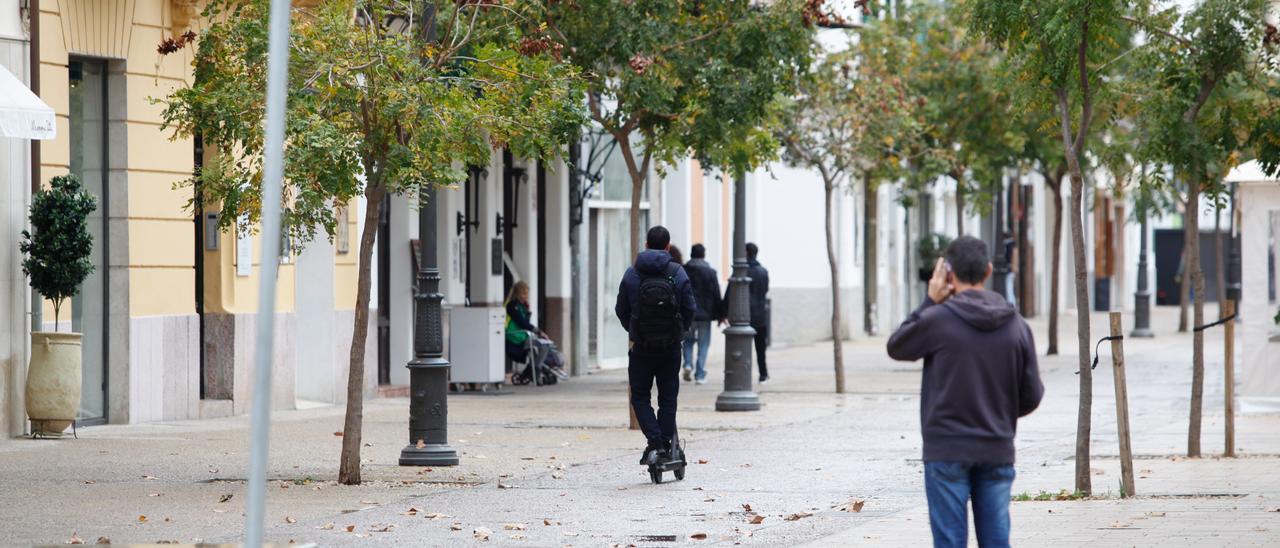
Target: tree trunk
{"x": 637, "y": 174}
{"x": 1219, "y": 260}
{"x": 1055, "y": 274}
{"x": 349, "y": 467}
{"x": 1083, "y": 423}
{"x": 959, "y": 206}
{"x": 1197, "y": 344}
{"x": 870, "y": 213}
{"x": 837, "y": 349}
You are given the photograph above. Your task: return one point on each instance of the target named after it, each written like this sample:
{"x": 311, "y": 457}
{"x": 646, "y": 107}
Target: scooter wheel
{"x": 655, "y": 474}
{"x": 679, "y": 472}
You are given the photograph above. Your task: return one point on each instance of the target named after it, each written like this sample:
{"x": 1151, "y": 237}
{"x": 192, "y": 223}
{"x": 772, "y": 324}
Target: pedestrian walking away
{"x": 706, "y": 293}
{"x": 656, "y": 307}
{"x": 980, "y": 376}
{"x": 759, "y": 310}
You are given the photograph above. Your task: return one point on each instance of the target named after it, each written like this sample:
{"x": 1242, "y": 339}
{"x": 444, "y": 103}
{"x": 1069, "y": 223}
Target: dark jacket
{"x": 759, "y": 294}
{"x": 706, "y": 290}
{"x": 980, "y": 375}
{"x": 653, "y": 262}
{"x": 519, "y": 315}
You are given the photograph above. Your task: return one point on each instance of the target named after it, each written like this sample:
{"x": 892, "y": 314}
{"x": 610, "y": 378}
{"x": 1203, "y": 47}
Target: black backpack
{"x": 656, "y": 323}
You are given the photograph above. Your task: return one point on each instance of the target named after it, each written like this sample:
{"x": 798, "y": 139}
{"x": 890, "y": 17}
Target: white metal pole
{"x": 273, "y": 156}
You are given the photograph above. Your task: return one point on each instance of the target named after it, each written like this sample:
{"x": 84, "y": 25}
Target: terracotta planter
{"x": 53, "y": 381}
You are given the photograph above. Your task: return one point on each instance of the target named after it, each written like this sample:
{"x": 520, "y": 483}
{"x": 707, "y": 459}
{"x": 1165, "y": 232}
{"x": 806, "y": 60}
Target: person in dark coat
{"x": 759, "y": 306}
{"x": 648, "y": 363}
{"x": 706, "y": 291}
{"x": 980, "y": 376}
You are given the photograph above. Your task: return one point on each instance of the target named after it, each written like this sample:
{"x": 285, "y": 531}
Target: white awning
{"x": 22, "y": 114}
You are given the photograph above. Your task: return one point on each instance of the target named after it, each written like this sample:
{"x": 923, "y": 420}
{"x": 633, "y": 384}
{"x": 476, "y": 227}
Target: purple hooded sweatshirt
{"x": 980, "y": 375}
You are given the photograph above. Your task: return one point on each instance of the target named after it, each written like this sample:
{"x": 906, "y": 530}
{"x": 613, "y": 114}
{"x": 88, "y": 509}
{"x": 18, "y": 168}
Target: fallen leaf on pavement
{"x": 481, "y": 534}
{"x": 369, "y": 502}
{"x": 154, "y": 495}
{"x": 103, "y": 540}
{"x": 702, "y": 461}
{"x": 798, "y": 516}
{"x": 89, "y": 482}
{"x": 1155, "y": 514}
{"x": 380, "y": 528}
{"x": 505, "y": 486}
{"x": 756, "y": 519}
{"x": 338, "y": 433}
{"x": 698, "y": 536}
{"x": 854, "y": 505}
{"x": 746, "y": 507}
{"x": 74, "y": 539}
{"x": 326, "y": 527}
{"x": 570, "y": 534}
{"x": 290, "y": 519}
{"x": 456, "y": 527}
{"x": 435, "y": 516}
{"x": 515, "y": 526}
{"x": 745, "y": 465}
{"x": 709, "y": 499}
{"x": 410, "y": 512}
{"x": 518, "y": 536}
{"x": 225, "y": 498}
{"x": 148, "y": 477}
{"x": 142, "y": 519}
{"x": 350, "y": 528}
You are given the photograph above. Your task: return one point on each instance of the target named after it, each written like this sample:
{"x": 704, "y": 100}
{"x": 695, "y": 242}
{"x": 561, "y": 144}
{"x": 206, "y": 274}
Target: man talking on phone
{"x": 980, "y": 376}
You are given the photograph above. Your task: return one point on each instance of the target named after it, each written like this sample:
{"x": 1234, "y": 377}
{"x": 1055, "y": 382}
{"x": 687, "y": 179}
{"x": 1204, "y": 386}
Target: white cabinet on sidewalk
{"x": 476, "y": 345}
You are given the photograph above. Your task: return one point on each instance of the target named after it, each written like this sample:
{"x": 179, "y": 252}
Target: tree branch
{"x": 1152, "y": 28}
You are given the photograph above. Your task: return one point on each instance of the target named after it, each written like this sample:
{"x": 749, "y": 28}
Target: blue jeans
{"x": 700, "y": 333}
{"x": 949, "y": 486}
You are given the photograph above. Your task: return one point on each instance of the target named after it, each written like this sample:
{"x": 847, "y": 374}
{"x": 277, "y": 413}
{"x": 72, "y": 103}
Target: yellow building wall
{"x": 345, "y": 265}
{"x": 161, "y": 240}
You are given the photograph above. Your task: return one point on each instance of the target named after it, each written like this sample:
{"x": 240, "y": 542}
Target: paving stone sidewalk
{"x": 555, "y": 466}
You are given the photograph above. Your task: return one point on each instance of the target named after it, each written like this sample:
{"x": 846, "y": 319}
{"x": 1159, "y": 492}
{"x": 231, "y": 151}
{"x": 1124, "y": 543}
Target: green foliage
{"x": 931, "y": 247}
{"x": 57, "y": 252}
{"x": 701, "y": 78}
{"x": 1202, "y": 77}
{"x": 853, "y": 112}
{"x": 367, "y": 100}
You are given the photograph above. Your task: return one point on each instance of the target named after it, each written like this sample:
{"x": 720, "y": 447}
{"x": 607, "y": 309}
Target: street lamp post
{"x": 429, "y": 370}
{"x": 1001, "y": 270}
{"x": 1142, "y": 298}
{"x": 739, "y": 337}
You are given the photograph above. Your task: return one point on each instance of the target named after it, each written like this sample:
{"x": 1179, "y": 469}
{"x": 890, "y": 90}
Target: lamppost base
{"x": 434, "y": 454}
{"x": 738, "y": 400}
{"x": 1142, "y": 333}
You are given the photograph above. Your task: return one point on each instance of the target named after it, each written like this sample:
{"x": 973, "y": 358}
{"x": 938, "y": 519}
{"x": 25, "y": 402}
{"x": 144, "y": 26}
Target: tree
{"x": 58, "y": 245}
{"x": 1059, "y": 50}
{"x": 850, "y": 109}
{"x": 1043, "y": 152}
{"x": 666, "y": 78}
{"x": 374, "y": 107}
{"x": 1206, "y": 64}
{"x": 964, "y": 111}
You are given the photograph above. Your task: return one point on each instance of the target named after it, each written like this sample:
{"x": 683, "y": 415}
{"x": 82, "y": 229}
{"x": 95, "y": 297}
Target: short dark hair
{"x": 698, "y": 251}
{"x": 969, "y": 258}
{"x": 752, "y": 251}
{"x": 657, "y": 238}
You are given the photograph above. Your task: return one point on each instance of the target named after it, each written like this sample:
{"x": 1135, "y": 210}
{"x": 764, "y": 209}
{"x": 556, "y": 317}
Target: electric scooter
{"x": 674, "y": 462}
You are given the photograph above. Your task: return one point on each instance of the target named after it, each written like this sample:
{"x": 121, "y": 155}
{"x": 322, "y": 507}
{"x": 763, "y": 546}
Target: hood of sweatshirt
{"x": 982, "y": 309}
{"x": 652, "y": 261}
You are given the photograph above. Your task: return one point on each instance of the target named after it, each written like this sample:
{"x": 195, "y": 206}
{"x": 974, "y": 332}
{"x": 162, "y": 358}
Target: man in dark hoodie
{"x": 980, "y": 376}
{"x": 706, "y": 291}
{"x": 656, "y": 306}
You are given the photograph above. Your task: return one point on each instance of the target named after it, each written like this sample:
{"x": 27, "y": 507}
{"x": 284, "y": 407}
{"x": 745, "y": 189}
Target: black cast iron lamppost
{"x": 739, "y": 337}
{"x": 1142, "y": 298}
{"x": 429, "y": 370}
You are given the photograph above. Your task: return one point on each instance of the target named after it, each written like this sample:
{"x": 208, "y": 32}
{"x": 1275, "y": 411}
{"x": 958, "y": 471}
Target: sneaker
{"x": 688, "y": 374}
{"x": 700, "y": 381}
{"x": 764, "y": 379}
{"x": 560, "y": 373}
{"x": 651, "y": 454}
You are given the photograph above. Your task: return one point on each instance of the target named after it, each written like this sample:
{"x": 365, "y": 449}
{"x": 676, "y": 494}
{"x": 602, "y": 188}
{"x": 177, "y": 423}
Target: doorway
{"x": 87, "y": 80}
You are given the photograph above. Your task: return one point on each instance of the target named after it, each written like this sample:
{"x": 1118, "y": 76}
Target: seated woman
{"x": 520, "y": 328}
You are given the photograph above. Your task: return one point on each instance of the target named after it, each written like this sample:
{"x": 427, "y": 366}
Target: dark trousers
{"x": 762, "y": 337}
{"x": 643, "y": 369}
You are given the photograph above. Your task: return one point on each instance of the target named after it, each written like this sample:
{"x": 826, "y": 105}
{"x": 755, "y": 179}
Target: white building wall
{"x": 15, "y": 183}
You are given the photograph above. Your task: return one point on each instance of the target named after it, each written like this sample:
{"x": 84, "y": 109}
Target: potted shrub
{"x": 56, "y": 262}
{"x": 929, "y": 248}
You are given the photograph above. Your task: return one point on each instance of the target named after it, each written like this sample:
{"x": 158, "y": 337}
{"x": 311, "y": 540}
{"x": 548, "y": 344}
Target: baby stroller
{"x": 534, "y": 367}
